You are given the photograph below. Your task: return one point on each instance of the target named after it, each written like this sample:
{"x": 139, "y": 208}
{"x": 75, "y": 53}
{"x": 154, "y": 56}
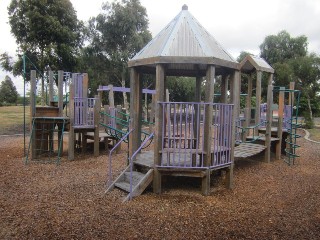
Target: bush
{"x": 308, "y": 122}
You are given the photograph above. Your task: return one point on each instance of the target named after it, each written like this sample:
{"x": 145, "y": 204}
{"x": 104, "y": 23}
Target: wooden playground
{"x": 187, "y": 139}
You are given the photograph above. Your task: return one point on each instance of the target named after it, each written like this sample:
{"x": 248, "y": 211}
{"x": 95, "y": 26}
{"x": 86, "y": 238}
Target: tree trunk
{"x": 310, "y": 110}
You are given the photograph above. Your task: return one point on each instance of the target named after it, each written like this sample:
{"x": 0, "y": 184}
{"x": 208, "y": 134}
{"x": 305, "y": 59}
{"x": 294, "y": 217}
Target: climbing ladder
{"x": 46, "y": 140}
{"x": 292, "y": 124}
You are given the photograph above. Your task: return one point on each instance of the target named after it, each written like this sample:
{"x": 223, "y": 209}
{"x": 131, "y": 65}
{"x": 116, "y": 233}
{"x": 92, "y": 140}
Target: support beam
{"x": 159, "y": 97}
{"x": 60, "y": 93}
{"x": 71, "y": 134}
{"x": 269, "y": 123}
{"x": 224, "y": 89}
{"x": 236, "y": 111}
{"x": 135, "y": 111}
{"x": 207, "y": 126}
{"x": 248, "y": 101}
{"x": 97, "y": 108}
{"x": 33, "y": 97}
{"x": 50, "y": 87}
{"x": 280, "y": 123}
{"x": 258, "y": 100}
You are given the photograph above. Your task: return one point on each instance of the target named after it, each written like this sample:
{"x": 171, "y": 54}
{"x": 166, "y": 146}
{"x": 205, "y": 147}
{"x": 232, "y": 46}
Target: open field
{"x": 315, "y": 134}
{"x": 11, "y": 119}
{"x": 269, "y": 201}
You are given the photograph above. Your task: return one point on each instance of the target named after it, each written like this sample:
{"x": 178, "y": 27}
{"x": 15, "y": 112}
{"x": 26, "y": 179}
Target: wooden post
{"x": 280, "y": 123}
{"x": 269, "y": 124}
{"x": 224, "y": 89}
{"x": 96, "y": 113}
{"x": 160, "y": 96}
{"x": 71, "y": 115}
{"x": 236, "y": 109}
{"x": 135, "y": 111}
{"x": 33, "y": 97}
{"x": 60, "y": 93}
{"x": 258, "y": 100}
{"x": 291, "y": 94}
{"x": 248, "y": 104}
{"x": 207, "y": 127}
{"x": 100, "y": 93}
{"x": 111, "y": 96}
{"x": 50, "y": 88}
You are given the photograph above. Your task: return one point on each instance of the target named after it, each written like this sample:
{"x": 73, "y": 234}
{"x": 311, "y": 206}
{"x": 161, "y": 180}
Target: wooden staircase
{"x": 142, "y": 176}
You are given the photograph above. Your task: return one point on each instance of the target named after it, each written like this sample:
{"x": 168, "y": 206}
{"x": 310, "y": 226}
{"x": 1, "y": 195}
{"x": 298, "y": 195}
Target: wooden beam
{"x": 280, "y": 123}
{"x": 159, "y": 97}
{"x": 209, "y": 94}
{"x": 269, "y": 123}
{"x": 60, "y": 93}
{"x": 33, "y": 97}
{"x": 224, "y": 89}
{"x": 71, "y": 116}
{"x": 258, "y": 100}
{"x": 111, "y": 96}
{"x": 135, "y": 111}
{"x": 97, "y": 108}
{"x": 51, "y": 81}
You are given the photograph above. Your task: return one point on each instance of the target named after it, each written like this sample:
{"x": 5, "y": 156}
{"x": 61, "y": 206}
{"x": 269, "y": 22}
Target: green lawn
{"x": 11, "y": 119}
{"x": 314, "y": 134}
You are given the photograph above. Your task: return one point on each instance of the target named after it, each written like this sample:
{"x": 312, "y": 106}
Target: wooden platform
{"x": 261, "y": 138}
{"x": 248, "y": 150}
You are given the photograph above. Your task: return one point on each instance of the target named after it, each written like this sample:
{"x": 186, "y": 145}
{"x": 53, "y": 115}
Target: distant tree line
{"x": 52, "y": 37}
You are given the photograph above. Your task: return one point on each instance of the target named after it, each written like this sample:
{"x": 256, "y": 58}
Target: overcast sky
{"x": 238, "y": 25}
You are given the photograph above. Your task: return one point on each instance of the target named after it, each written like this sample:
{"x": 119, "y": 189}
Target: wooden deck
{"x": 248, "y": 150}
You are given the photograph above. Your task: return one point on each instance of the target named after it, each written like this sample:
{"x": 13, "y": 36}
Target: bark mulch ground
{"x": 269, "y": 201}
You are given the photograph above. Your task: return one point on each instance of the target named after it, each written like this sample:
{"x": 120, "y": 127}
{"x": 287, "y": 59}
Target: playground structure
{"x": 49, "y": 123}
{"x": 197, "y": 138}
{"x": 116, "y": 120}
{"x": 192, "y": 139}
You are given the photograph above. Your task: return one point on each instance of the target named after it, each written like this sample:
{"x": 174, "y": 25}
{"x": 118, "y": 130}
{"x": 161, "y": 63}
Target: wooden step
{"x": 125, "y": 186}
{"x": 124, "y": 182}
{"x": 136, "y": 177}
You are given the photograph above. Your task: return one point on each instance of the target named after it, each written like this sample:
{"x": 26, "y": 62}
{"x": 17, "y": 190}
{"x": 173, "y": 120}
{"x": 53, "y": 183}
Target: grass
{"x": 11, "y": 119}
{"x": 314, "y": 134}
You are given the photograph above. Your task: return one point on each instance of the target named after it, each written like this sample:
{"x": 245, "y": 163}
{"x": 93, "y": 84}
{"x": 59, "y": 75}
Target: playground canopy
{"x": 186, "y": 47}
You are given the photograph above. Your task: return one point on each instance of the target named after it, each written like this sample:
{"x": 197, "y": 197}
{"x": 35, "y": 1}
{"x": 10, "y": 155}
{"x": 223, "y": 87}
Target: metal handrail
{"x": 131, "y": 161}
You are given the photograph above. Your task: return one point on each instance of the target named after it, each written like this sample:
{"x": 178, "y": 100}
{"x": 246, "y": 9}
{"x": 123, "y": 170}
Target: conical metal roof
{"x": 184, "y": 41}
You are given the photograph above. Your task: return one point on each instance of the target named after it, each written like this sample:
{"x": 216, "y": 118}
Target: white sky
{"x": 238, "y": 25}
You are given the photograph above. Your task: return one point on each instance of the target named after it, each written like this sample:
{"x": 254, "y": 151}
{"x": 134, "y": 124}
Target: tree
{"x": 306, "y": 71}
{"x": 116, "y": 35}
{"x": 8, "y": 92}
{"x": 48, "y": 31}
{"x": 282, "y": 47}
{"x": 291, "y": 61}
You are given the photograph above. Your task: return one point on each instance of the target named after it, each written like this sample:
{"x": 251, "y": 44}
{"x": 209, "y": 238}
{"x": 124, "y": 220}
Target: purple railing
{"x": 286, "y": 115}
{"x": 109, "y": 181}
{"x": 84, "y": 112}
{"x": 183, "y": 134}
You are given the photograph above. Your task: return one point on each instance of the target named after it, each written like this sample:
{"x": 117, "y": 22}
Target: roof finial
{"x": 185, "y": 7}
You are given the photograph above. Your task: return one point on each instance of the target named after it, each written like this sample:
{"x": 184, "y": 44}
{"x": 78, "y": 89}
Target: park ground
{"x": 46, "y": 201}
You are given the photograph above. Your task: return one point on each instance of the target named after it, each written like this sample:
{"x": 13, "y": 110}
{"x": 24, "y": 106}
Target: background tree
{"x": 291, "y": 61}
{"x": 47, "y": 31}
{"x": 116, "y": 35}
{"x": 8, "y": 92}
